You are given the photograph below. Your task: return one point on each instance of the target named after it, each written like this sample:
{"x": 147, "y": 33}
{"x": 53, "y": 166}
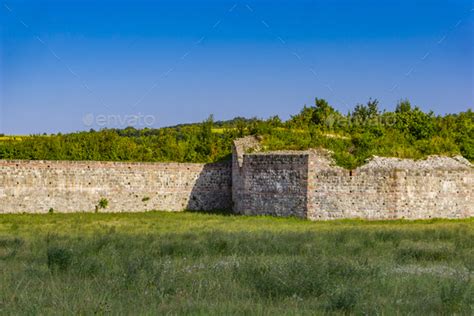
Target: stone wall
{"x": 305, "y": 184}
{"x": 308, "y": 184}
{"x": 272, "y": 184}
{"x": 66, "y": 186}
{"x": 334, "y": 192}
{"x": 239, "y": 148}
{"x": 390, "y": 188}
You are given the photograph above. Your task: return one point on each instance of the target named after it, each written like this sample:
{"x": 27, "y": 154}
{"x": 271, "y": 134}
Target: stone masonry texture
{"x": 390, "y": 188}
{"x": 305, "y": 184}
{"x": 308, "y": 184}
{"x": 68, "y": 186}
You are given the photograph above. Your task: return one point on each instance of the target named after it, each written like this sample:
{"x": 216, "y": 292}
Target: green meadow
{"x": 195, "y": 263}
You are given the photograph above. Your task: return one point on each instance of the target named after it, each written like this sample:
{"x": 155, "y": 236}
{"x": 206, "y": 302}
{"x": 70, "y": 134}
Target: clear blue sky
{"x": 179, "y": 61}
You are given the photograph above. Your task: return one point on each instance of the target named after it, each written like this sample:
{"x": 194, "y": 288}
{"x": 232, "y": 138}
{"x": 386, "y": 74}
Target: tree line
{"x": 406, "y": 132}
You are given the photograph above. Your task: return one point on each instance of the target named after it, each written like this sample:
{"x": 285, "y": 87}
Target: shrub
{"x": 103, "y": 203}
{"x": 406, "y": 133}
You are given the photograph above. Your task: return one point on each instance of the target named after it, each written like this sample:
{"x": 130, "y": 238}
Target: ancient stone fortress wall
{"x": 272, "y": 184}
{"x": 390, "y": 188}
{"x": 308, "y": 184}
{"x": 305, "y": 184}
{"x": 67, "y": 186}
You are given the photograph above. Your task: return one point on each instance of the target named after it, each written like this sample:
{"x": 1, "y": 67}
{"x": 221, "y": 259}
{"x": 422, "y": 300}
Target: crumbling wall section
{"x": 391, "y": 188}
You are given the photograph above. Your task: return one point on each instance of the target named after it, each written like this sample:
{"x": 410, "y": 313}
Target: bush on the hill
{"x": 408, "y": 132}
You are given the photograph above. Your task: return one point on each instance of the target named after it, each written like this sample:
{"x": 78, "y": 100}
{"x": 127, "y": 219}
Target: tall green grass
{"x": 185, "y": 263}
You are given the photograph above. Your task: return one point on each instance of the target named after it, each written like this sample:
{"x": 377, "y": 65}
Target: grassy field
{"x": 193, "y": 263}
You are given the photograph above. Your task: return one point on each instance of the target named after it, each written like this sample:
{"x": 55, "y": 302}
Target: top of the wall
{"x": 107, "y": 164}
{"x": 250, "y": 145}
{"x": 244, "y": 145}
{"x": 430, "y": 163}
{"x": 280, "y": 153}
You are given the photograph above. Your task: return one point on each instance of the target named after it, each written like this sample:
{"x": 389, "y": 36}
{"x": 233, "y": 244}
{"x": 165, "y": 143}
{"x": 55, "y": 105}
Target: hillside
{"x": 407, "y": 132}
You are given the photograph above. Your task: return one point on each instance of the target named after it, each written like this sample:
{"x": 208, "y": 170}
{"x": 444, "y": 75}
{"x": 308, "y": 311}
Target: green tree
{"x": 323, "y": 113}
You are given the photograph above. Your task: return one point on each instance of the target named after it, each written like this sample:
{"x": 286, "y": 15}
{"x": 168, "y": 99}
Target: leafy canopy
{"x": 407, "y": 132}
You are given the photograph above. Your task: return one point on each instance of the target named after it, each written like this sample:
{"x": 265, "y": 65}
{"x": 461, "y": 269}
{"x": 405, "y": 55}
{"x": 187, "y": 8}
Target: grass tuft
{"x": 424, "y": 251}
{"x": 59, "y": 258}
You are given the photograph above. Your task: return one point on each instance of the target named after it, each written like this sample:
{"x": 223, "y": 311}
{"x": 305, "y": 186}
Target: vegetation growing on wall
{"x": 407, "y": 132}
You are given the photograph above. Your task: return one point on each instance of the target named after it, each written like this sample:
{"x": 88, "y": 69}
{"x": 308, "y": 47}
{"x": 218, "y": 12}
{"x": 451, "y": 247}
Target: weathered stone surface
{"x": 271, "y": 184}
{"x": 308, "y": 184}
{"x": 390, "y": 188}
{"x": 305, "y": 184}
{"x": 68, "y": 186}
